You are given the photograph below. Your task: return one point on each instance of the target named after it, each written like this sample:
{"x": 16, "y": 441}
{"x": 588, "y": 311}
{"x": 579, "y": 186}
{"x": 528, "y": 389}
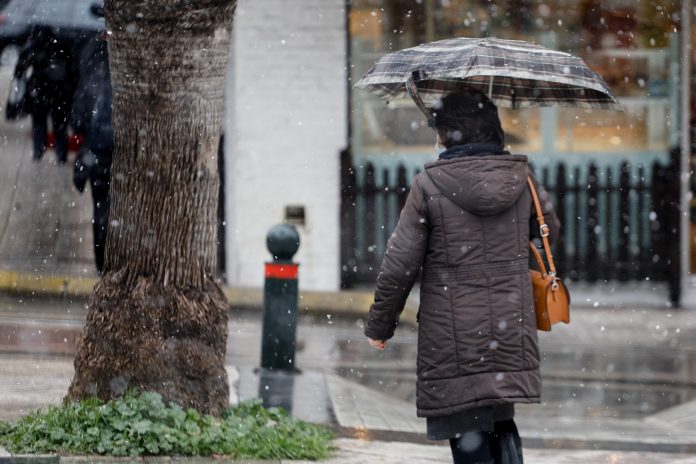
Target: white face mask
{"x": 439, "y": 149}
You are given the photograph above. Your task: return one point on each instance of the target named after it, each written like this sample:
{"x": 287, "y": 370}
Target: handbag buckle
{"x": 544, "y": 230}
{"x": 554, "y": 284}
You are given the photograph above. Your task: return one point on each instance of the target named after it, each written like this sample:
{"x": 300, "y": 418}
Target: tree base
{"x": 149, "y": 337}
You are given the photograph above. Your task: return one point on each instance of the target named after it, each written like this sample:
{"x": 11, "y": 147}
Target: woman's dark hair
{"x": 467, "y": 118}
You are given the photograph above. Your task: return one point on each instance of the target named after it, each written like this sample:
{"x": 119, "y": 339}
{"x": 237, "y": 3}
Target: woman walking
{"x": 465, "y": 230}
{"x": 52, "y": 80}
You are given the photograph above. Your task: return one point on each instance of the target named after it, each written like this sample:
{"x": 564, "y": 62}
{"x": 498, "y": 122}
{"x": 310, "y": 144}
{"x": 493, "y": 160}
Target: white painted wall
{"x": 285, "y": 126}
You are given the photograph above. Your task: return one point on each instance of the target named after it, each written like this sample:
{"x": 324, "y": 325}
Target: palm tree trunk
{"x": 157, "y": 320}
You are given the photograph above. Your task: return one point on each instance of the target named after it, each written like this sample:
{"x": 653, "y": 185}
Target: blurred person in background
{"x": 92, "y": 72}
{"x": 92, "y": 117}
{"x": 47, "y": 62}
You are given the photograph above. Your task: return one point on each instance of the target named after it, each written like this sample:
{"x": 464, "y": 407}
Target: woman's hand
{"x": 377, "y": 344}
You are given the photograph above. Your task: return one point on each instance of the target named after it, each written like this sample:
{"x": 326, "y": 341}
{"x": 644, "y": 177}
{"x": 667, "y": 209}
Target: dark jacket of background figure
{"x": 53, "y": 76}
{"x": 93, "y": 163}
{"x": 93, "y": 72}
{"x": 465, "y": 228}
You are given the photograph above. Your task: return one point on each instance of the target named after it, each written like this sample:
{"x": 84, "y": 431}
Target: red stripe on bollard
{"x": 281, "y": 271}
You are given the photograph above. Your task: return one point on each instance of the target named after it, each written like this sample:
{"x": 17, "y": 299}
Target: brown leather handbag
{"x": 551, "y": 298}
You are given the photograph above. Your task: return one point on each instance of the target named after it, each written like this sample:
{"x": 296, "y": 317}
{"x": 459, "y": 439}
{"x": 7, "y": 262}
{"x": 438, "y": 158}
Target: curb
{"x": 608, "y": 445}
{"x": 163, "y": 460}
{"x": 354, "y": 303}
{"x": 37, "y": 284}
{"x": 29, "y": 459}
{"x": 56, "y": 459}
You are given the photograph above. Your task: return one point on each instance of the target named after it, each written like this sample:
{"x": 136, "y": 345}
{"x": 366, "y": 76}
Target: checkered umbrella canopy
{"x": 514, "y": 74}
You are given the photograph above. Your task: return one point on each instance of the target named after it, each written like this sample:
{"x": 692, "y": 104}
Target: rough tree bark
{"x": 157, "y": 320}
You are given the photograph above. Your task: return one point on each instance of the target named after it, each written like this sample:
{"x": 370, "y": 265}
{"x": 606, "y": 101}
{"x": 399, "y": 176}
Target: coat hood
{"x": 482, "y": 185}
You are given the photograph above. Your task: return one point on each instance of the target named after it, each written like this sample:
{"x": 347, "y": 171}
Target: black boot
{"x": 472, "y": 448}
{"x": 506, "y": 444}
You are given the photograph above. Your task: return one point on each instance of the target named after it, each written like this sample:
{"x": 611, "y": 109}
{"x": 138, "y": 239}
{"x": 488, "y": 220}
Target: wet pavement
{"x": 615, "y": 379}
{"x": 621, "y": 368}
{"x": 609, "y": 363}
{"x": 45, "y": 224}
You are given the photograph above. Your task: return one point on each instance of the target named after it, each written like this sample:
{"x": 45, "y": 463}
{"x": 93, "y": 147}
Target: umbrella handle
{"x": 412, "y": 90}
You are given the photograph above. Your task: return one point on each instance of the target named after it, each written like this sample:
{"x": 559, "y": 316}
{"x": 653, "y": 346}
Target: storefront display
{"x": 627, "y": 42}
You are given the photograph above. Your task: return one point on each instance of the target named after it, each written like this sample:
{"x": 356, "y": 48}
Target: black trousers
{"x": 59, "y": 112}
{"x": 502, "y": 446}
{"x": 100, "y": 222}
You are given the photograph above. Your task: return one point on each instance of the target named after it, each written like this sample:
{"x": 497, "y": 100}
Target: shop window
{"x": 630, "y": 43}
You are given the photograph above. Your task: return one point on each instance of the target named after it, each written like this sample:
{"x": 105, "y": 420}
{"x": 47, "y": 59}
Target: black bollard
{"x": 277, "y": 388}
{"x": 278, "y": 340}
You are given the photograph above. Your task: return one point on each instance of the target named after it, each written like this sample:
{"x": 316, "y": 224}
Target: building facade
{"x": 306, "y": 147}
{"x": 286, "y": 125}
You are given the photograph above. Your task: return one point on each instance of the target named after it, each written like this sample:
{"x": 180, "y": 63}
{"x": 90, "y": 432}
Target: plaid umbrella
{"x": 514, "y": 74}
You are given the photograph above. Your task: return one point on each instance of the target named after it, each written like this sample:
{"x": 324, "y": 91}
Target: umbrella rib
{"x": 412, "y": 90}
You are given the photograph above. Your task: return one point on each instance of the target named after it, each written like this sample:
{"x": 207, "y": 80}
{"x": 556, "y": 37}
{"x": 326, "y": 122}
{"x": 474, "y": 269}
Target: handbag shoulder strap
{"x": 537, "y": 258}
{"x": 543, "y": 230}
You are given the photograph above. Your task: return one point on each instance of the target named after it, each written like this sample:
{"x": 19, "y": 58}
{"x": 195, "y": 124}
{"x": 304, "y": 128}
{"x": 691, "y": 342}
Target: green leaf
{"x": 142, "y": 426}
{"x": 137, "y": 425}
{"x": 192, "y": 428}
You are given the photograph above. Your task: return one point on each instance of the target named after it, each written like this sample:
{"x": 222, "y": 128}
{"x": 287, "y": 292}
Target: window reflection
{"x": 632, "y": 44}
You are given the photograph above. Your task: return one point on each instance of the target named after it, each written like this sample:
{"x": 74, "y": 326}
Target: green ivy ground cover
{"x": 137, "y": 425}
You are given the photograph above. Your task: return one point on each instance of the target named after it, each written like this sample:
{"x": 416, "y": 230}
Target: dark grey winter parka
{"x": 465, "y": 227}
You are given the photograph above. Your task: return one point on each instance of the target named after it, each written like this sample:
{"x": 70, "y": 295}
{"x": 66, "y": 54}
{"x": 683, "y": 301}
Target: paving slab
{"x": 680, "y": 417}
{"x": 605, "y": 433}
{"x": 302, "y": 393}
{"x": 356, "y": 406}
{"x": 30, "y": 459}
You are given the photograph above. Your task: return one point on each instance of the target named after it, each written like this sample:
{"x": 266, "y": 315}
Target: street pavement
{"x": 634, "y": 411}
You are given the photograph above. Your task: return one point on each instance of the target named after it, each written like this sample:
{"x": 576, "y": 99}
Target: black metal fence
{"x": 618, "y": 225}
